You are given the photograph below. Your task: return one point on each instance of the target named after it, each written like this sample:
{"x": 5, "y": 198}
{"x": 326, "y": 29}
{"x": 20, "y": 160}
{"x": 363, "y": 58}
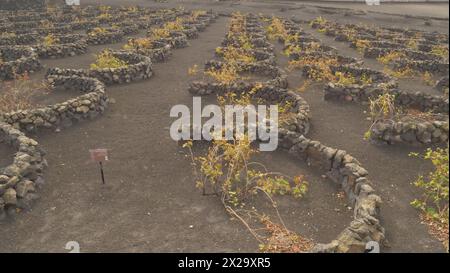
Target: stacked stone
{"x": 394, "y": 35}
{"x": 22, "y": 4}
{"x": 359, "y": 92}
{"x": 176, "y": 40}
{"x": 375, "y": 52}
{"x": 411, "y": 131}
{"x": 380, "y": 45}
{"x": 18, "y": 181}
{"x": 27, "y": 16}
{"x": 161, "y": 49}
{"x": 401, "y": 129}
{"x": 160, "y": 52}
{"x": 341, "y": 60}
{"x": 34, "y": 28}
{"x": 426, "y": 37}
{"x": 422, "y": 101}
{"x": 190, "y": 32}
{"x": 84, "y": 25}
{"x": 427, "y": 46}
{"x": 257, "y": 41}
{"x": 380, "y": 84}
{"x": 384, "y": 40}
{"x": 199, "y": 26}
{"x": 273, "y": 90}
{"x": 343, "y": 169}
{"x": 348, "y": 172}
{"x": 340, "y": 166}
{"x": 62, "y": 50}
{"x": 146, "y": 23}
{"x": 278, "y": 79}
{"x": 149, "y": 20}
{"x": 302, "y": 39}
{"x": 22, "y": 24}
{"x": 86, "y": 106}
{"x": 294, "y": 29}
{"x": 70, "y": 38}
{"x": 432, "y": 66}
{"x": 139, "y": 67}
{"x": 6, "y": 27}
{"x": 300, "y": 122}
{"x": 112, "y": 36}
{"x": 17, "y": 27}
{"x": 260, "y": 54}
{"x": 208, "y": 18}
{"x": 264, "y": 64}
{"x": 192, "y": 29}
{"x": 64, "y": 28}
{"x": 128, "y": 27}
{"x": 305, "y": 45}
{"x": 17, "y": 60}
{"x": 21, "y": 39}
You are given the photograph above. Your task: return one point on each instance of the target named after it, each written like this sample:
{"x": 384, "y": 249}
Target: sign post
{"x": 100, "y": 155}
{"x": 103, "y": 174}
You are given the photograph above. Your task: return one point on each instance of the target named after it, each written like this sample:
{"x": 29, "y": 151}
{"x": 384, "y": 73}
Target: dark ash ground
{"x": 150, "y": 203}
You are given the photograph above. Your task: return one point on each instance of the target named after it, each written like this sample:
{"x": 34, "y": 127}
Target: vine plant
{"x": 434, "y": 202}
{"x": 383, "y": 107}
{"x": 227, "y": 168}
{"x": 107, "y": 60}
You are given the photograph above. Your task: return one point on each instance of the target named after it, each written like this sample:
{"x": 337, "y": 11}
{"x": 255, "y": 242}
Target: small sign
{"x": 99, "y": 155}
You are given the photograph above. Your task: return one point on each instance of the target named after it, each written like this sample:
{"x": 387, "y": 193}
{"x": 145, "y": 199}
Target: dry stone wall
{"x": 17, "y": 61}
{"x": 139, "y": 67}
{"x": 20, "y": 180}
{"x": 339, "y": 166}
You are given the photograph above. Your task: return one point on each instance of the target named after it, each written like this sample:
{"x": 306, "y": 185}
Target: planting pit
{"x": 17, "y": 60}
{"x": 138, "y": 67}
{"x": 342, "y": 209}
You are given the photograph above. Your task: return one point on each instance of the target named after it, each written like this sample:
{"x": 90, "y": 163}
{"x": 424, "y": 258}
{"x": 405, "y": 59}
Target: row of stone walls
{"x": 140, "y": 67}
{"x": 339, "y": 166}
{"x": 64, "y": 114}
{"x": 17, "y": 61}
{"x": 343, "y": 169}
{"x": 18, "y": 181}
{"x": 22, "y": 4}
